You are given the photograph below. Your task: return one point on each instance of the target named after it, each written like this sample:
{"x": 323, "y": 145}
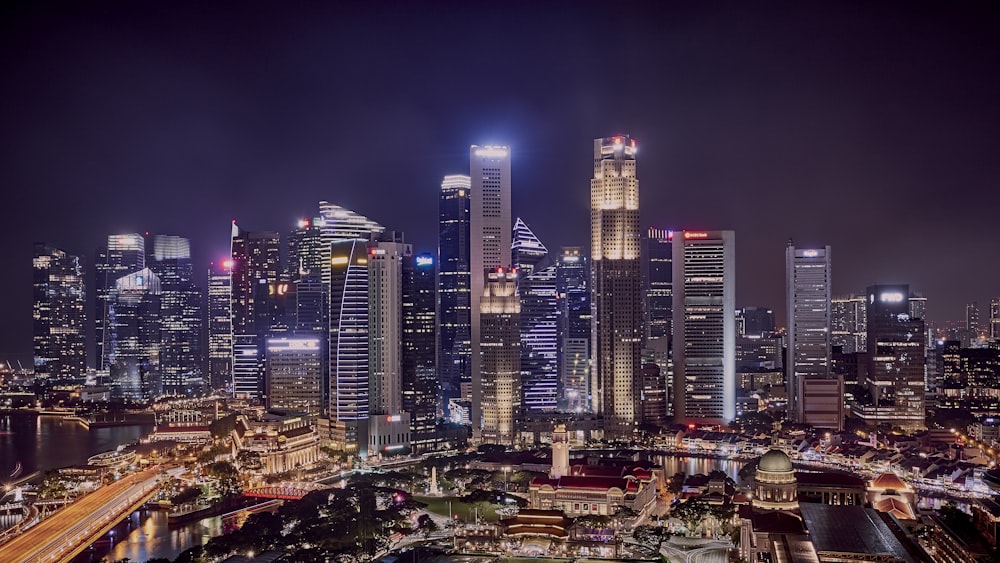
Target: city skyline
{"x": 725, "y": 149}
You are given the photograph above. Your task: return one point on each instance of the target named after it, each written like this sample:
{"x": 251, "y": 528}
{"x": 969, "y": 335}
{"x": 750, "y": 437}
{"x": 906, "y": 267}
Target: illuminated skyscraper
{"x": 815, "y": 395}
{"x": 896, "y": 360}
{"x": 349, "y": 329}
{"x": 500, "y": 310}
{"x": 60, "y": 337}
{"x": 616, "y": 286}
{"x": 704, "y": 327}
{"x": 181, "y": 359}
{"x": 848, "y": 318}
{"x": 419, "y": 365}
{"x": 573, "y": 293}
{"x": 255, "y": 263}
{"x": 489, "y": 241}
{"x": 338, "y": 224}
{"x": 536, "y": 274}
{"x": 454, "y": 279}
{"x": 124, "y": 254}
{"x": 295, "y": 374}
{"x": 305, "y": 251}
{"x": 972, "y": 325}
{"x": 134, "y": 331}
{"x": 220, "y": 327}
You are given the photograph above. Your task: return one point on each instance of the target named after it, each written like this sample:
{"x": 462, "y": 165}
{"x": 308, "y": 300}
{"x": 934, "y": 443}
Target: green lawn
{"x": 466, "y": 512}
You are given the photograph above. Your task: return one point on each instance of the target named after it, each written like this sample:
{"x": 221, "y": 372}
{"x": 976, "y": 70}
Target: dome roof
{"x": 776, "y": 461}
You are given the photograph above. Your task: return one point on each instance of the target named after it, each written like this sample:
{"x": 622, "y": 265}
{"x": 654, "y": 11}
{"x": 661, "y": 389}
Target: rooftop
{"x": 850, "y": 529}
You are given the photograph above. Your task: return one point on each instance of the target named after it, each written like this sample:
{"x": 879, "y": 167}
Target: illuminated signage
{"x": 425, "y": 261}
{"x": 394, "y": 418}
{"x": 227, "y": 264}
{"x": 891, "y": 297}
{"x": 810, "y": 253}
{"x": 339, "y": 260}
{"x": 362, "y": 260}
{"x": 139, "y": 280}
{"x": 491, "y": 152}
{"x": 695, "y": 234}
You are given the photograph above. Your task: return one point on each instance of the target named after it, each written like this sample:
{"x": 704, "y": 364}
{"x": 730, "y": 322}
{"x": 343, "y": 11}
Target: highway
{"x": 57, "y": 537}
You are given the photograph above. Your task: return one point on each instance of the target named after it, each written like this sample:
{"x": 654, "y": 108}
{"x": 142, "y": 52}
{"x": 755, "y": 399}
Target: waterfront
{"x": 145, "y": 535}
{"x": 41, "y": 443}
{"x": 673, "y": 464}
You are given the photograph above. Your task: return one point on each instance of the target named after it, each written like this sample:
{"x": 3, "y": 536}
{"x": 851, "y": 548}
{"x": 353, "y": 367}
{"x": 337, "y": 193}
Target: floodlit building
{"x": 60, "y": 336}
{"x": 454, "y": 290}
{"x": 500, "y": 312}
{"x": 616, "y": 286}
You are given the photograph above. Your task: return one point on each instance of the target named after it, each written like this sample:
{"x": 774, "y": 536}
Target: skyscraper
{"x": 616, "y": 286}
{"x": 848, "y": 319}
{"x": 526, "y": 251}
{"x": 134, "y": 332}
{"x": 419, "y": 371}
{"x": 305, "y": 250}
{"x": 896, "y": 358}
{"x": 338, "y": 224}
{"x": 181, "y": 358}
{"x": 704, "y": 327}
{"x": 60, "y": 337}
{"x": 385, "y": 318}
{"x": 220, "y": 326}
{"x": 349, "y": 392}
{"x": 255, "y": 262}
{"x": 972, "y": 324}
{"x": 454, "y": 279}
{"x": 124, "y": 254}
{"x": 815, "y": 395}
{"x": 573, "y": 293}
{"x": 657, "y": 282}
{"x": 501, "y": 360}
{"x": 536, "y": 274}
{"x": 294, "y": 373}
{"x": 489, "y": 242}
{"x": 995, "y": 319}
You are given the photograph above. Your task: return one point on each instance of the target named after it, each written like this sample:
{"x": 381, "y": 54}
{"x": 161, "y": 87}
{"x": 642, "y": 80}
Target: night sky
{"x": 870, "y": 126}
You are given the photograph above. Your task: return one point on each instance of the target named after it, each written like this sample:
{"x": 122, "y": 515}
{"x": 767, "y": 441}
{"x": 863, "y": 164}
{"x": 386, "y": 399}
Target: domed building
{"x": 774, "y": 485}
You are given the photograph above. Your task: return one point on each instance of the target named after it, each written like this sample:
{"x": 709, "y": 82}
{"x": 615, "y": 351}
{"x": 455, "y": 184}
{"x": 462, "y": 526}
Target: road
{"x": 711, "y": 552}
{"x": 59, "y": 534}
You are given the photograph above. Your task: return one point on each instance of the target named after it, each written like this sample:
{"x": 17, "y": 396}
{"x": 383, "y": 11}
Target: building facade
{"x": 220, "y": 326}
{"x": 616, "y": 286}
{"x": 812, "y": 387}
{"x": 295, "y": 374}
{"x": 255, "y": 261}
{"x": 59, "y": 298}
{"x": 419, "y": 363}
{"x": 489, "y": 244}
{"x": 181, "y": 314}
{"x": 124, "y": 254}
{"x": 500, "y": 311}
{"x": 454, "y": 290}
{"x": 573, "y": 299}
{"x": 704, "y": 327}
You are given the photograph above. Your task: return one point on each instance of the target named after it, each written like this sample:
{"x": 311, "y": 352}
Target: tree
{"x": 249, "y": 460}
{"x": 427, "y": 525}
{"x": 227, "y": 477}
{"x": 691, "y": 512}
{"x": 652, "y": 535}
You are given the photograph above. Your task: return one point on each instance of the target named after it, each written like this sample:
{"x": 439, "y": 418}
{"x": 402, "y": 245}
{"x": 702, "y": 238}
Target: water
{"x": 41, "y": 443}
{"x": 145, "y": 535}
{"x": 703, "y": 465}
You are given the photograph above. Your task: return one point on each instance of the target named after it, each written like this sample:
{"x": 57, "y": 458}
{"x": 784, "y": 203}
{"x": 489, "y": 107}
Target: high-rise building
{"x": 60, "y": 337}
{"x": 295, "y": 373}
{"x": 995, "y": 319}
{"x": 419, "y": 371}
{"x": 848, "y": 322}
{"x": 454, "y": 293}
{"x": 338, "y": 224}
{"x": 815, "y": 394}
{"x": 704, "y": 327}
{"x": 349, "y": 392}
{"x": 573, "y": 294}
{"x": 489, "y": 244}
{"x": 124, "y": 254}
{"x": 896, "y": 358}
{"x": 616, "y": 286}
{"x": 305, "y": 250}
{"x": 539, "y": 321}
{"x": 657, "y": 282}
{"x": 134, "y": 329}
{"x": 220, "y": 326}
{"x": 255, "y": 262}
{"x": 181, "y": 358}
{"x": 500, "y": 310}
{"x": 972, "y": 323}
{"x": 385, "y": 322}
{"x": 526, "y": 251}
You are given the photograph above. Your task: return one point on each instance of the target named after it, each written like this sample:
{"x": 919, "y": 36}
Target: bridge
{"x": 287, "y": 490}
{"x": 69, "y": 532}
